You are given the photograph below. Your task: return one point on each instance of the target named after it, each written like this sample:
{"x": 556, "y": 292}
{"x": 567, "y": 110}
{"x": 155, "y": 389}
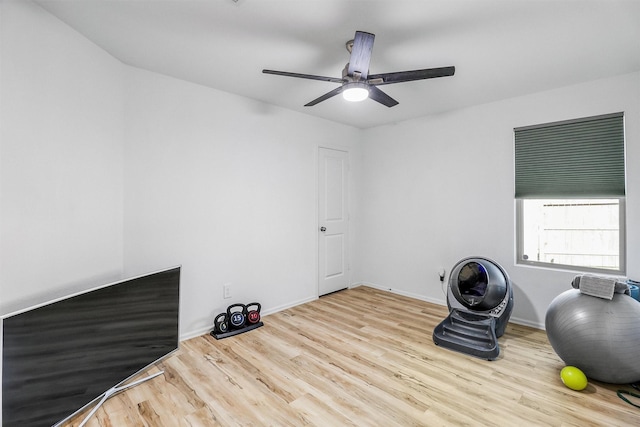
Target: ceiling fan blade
{"x": 381, "y": 97}
{"x": 304, "y": 76}
{"x": 324, "y": 97}
{"x": 361, "y": 54}
{"x": 407, "y": 76}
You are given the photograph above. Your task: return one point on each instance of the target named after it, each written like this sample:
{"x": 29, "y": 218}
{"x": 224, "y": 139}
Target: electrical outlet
{"x": 226, "y": 290}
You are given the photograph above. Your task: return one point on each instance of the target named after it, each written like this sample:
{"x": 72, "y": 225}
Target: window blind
{"x": 571, "y": 159}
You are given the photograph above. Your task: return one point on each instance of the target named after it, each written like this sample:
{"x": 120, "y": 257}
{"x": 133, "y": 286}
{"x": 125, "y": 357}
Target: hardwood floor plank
{"x": 348, "y": 372}
{"x": 360, "y": 357}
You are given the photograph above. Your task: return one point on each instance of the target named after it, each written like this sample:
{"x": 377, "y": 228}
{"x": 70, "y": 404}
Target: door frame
{"x": 349, "y": 187}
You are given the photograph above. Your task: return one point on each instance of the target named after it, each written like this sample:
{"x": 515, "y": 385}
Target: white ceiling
{"x": 500, "y": 48}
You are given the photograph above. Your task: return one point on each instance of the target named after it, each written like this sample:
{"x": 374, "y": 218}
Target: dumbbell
{"x": 253, "y": 316}
{"x": 236, "y": 318}
{"x": 221, "y": 323}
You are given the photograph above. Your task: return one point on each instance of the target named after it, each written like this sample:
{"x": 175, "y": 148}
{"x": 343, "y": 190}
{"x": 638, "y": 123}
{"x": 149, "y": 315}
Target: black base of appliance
{"x": 472, "y": 334}
{"x": 237, "y": 331}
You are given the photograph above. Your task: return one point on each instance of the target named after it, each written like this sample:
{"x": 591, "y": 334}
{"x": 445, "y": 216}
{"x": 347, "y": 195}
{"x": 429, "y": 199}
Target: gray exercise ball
{"x": 601, "y": 337}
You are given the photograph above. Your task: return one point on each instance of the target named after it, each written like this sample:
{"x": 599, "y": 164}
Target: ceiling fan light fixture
{"x": 355, "y": 92}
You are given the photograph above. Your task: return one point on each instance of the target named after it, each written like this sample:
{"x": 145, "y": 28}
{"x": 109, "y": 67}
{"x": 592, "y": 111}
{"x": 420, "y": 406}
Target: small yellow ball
{"x": 573, "y": 378}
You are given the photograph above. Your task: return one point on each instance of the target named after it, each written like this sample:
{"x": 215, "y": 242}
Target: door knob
{"x": 323, "y": 229}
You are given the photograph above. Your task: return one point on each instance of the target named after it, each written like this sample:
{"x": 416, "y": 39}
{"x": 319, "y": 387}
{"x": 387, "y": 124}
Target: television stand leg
{"x": 115, "y": 390}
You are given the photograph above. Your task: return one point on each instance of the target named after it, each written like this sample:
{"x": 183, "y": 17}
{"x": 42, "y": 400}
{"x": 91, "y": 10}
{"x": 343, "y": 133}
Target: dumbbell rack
{"x": 231, "y": 333}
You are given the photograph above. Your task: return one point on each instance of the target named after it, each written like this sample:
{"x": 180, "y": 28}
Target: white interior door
{"x": 333, "y": 218}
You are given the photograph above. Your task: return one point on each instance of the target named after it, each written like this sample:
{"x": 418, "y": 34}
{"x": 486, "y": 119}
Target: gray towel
{"x": 599, "y": 286}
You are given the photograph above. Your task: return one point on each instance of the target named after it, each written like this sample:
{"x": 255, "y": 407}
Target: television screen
{"x": 59, "y": 357}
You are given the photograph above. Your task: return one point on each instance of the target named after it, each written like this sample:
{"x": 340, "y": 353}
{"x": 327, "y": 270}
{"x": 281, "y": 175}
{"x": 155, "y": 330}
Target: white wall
{"x": 109, "y": 171}
{"x": 61, "y": 146}
{"x": 440, "y": 188}
{"x": 223, "y": 185}
{"x": 105, "y": 169}
{"x": 227, "y": 187}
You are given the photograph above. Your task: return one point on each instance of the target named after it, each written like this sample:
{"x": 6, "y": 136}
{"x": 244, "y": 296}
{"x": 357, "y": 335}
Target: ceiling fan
{"x": 356, "y": 82}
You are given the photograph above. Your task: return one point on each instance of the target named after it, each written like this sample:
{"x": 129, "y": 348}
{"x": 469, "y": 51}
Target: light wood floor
{"x": 361, "y": 357}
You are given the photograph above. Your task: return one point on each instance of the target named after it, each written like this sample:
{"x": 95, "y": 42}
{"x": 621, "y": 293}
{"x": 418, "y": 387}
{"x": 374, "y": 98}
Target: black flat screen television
{"x": 60, "y": 357}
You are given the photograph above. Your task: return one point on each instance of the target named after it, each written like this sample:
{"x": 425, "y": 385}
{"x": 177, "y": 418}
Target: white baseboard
{"x": 528, "y": 323}
{"x": 208, "y": 328}
{"x": 516, "y": 320}
{"x": 403, "y": 293}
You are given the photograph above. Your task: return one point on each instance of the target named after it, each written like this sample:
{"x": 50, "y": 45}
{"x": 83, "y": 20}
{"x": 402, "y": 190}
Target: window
{"x": 570, "y": 188}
